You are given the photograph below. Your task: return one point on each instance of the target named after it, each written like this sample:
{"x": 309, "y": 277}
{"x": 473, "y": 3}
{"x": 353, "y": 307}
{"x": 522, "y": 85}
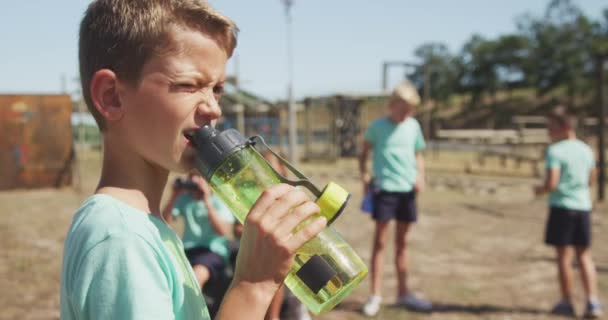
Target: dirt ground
{"x": 476, "y": 252}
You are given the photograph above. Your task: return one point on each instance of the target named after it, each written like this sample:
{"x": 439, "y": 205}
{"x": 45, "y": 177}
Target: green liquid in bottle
{"x": 240, "y": 181}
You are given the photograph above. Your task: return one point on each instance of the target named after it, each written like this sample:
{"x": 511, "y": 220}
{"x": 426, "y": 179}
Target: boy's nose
{"x": 207, "y": 111}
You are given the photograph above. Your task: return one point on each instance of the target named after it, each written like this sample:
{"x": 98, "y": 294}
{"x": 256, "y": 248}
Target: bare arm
{"x": 167, "y": 211}
{"x": 220, "y": 226}
{"x": 550, "y": 183}
{"x": 420, "y": 172}
{"x": 257, "y": 298}
{"x": 365, "y": 176}
{"x": 592, "y": 177}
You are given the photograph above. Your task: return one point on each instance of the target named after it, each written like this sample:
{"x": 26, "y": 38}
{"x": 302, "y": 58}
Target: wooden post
{"x": 427, "y": 102}
{"x": 384, "y": 76}
{"x": 601, "y": 126}
{"x": 307, "y": 129}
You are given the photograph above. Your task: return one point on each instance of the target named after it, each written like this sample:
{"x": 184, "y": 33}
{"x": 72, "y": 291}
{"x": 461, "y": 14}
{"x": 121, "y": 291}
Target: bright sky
{"x": 339, "y": 45}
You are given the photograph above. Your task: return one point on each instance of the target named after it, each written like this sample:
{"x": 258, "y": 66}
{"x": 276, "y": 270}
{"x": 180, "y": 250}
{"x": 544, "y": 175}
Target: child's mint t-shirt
{"x": 198, "y": 231}
{"x": 123, "y": 263}
{"x": 394, "y": 148}
{"x": 575, "y": 161}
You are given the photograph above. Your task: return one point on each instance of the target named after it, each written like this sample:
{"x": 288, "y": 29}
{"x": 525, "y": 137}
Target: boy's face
{"x": 399, "y": 110}
{"x": 178, "y": 92}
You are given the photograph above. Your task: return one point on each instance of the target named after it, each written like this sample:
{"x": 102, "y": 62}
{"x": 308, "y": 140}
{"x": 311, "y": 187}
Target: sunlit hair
{"x": 406, "y": 92}
{"x": 122, "y": 35}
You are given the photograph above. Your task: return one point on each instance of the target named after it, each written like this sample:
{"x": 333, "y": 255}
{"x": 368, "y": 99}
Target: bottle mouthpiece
{"x": 214, "y": 146}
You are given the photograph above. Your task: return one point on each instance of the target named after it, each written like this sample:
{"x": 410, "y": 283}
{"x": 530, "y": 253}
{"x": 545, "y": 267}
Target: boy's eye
{"x": 218, "y": 90}
{"x": 187, "y": 86}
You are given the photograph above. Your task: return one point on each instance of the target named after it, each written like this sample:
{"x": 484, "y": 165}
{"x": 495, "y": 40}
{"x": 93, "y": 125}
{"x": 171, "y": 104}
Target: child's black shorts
{"x": 395, "y": 205}
{"x": 203, "y": 256}
{"x": 566, "y": 227}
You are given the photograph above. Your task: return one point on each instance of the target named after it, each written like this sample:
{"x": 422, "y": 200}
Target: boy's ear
{"x": 104, "y": 94}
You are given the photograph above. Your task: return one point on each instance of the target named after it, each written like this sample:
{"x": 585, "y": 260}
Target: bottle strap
{"x": 303, "y": 180}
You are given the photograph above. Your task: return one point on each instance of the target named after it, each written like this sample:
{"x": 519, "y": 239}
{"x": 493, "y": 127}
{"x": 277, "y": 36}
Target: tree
{"x": 562, "y": 48}
{"x": 479, "y": 73}
{"x": 442, "y": 71}
{"x": 512, "y": 55}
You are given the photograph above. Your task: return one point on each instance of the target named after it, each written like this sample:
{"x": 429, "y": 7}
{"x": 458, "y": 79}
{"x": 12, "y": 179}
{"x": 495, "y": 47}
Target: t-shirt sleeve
{"x": 551, "y": 159}
{"x": 370, "y": 134}
{"x": 419, "y": 143}
{"x": 222, "y": 209}
{"x": 122, "y": 278}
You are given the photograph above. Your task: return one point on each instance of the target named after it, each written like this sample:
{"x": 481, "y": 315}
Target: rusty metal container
{"x": 36, "y": 145}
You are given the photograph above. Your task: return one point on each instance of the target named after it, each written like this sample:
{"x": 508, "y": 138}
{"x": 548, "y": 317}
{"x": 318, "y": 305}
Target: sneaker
{"x": 593, "y": 310}
{"x": 372, "y": 306}
{"x": 563, "y": 308}
{"x": 412, "y": 302}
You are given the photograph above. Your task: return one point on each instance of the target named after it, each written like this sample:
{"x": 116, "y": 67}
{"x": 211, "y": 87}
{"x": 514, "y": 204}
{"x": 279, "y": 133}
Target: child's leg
{"x": 588, "y": 273}
{"x": 207, "y": 266}
{"x": 564, "y": 265}
{"x": 202, "y": 274}
{"x": 378, "y": 256}
{"x": 401, "y": 256}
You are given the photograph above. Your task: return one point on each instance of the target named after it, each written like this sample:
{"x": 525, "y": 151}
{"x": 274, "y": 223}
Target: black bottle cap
{"x": 214, "y": 146}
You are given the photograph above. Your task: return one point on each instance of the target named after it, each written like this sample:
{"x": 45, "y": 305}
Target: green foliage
{"x": 553, "y": 51}
{"x": 442, "y": 71}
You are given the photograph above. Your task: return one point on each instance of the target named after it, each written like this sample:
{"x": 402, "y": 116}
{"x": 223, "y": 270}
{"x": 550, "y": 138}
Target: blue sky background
{"x": 339, "y": 45}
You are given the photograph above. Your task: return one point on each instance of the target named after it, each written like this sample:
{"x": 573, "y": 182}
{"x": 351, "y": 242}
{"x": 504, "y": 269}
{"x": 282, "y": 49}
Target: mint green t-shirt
{"x": 394, "y": 148}
{"x": 198, "y": 231}
{"x": 123, "y": 263}
{"x": 575, "y": 161}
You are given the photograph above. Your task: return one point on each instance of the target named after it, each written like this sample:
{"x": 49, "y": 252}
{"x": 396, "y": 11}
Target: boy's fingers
{"x": 283, "y": 206}
{"x": 266, "y": 199}
{"x": 286, "y": 227}
{"x": 308, "y": 232}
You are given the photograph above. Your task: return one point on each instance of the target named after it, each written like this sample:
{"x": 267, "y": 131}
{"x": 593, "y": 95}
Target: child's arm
{"x": 592, "y": 177}
{"x": 551, "y": 182}
{"x": 167, "y": 211}
{"x": 220, "y": 226}
{"x": 268, "y": 246}
{"x": 421, "y": 176}
{"x": 365, "y": 177}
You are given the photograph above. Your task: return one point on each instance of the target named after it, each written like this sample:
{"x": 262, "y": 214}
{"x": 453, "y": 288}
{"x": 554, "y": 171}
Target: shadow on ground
{"x": 446, "y": 307}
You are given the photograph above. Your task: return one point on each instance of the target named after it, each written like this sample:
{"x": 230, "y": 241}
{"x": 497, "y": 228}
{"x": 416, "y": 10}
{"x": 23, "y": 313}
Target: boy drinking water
{"x": 152, "y": 71}
{"x": 570, "y": 171}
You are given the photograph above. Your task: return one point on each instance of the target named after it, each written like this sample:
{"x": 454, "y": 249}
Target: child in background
{"x": 570, "y": 170}
{"x": 208, "y": 224}
{"x": 396, "y": 143}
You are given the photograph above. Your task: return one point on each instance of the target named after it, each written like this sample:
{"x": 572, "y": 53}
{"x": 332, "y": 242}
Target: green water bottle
{"x": 326, "y": 269}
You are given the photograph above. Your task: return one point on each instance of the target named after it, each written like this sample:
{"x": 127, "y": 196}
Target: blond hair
{"x": 407, "y": 93}
{"x": 122, "y": 35}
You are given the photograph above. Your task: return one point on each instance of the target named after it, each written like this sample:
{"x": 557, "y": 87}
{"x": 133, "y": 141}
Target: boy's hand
{"x": 419, "y": 185}
{"x": 366, "y": 178}
{"x": 203, "y": 186}
{"x": 539, "y": 190}
{"x": 268, "y": 243}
